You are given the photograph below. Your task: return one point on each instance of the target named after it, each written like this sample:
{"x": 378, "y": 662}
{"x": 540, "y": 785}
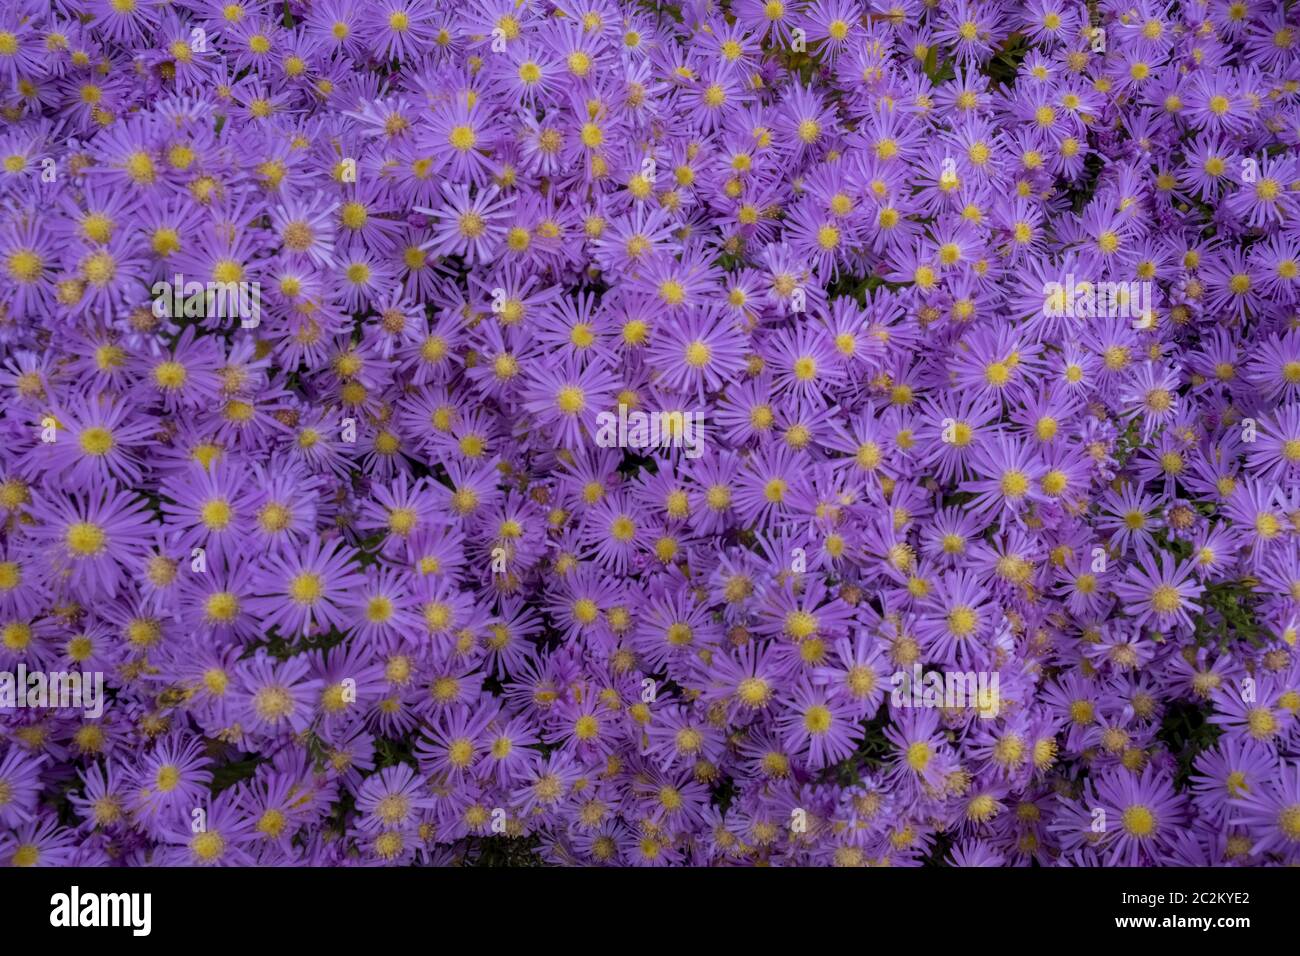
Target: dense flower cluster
{"x": 615, "y": 430}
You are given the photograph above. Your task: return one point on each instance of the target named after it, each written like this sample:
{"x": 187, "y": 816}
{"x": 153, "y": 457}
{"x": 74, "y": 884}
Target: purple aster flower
{"x": 302, "y": 590}
{"x": 1163, "y": 593}
{"x": 221, "y": 836}
{"x": 88, "y": 539}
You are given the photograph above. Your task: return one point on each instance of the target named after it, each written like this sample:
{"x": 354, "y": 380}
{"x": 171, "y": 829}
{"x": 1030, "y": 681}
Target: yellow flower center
{"x": 1139, "y": 821}
{"x": 306, "y": 587}
{"x": 817, "y": 719}
{"x": 962, "y": 621}
{"x": 85, "y": 539}
{"x": 1015, "y": 484}
{"x": 96, "y": 441}
{"x": 570, "y": 400}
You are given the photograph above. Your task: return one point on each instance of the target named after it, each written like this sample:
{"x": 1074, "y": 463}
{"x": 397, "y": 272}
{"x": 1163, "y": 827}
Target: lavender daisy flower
{"x": 270, "y": 696}
{"x": 1162, "y": 593}
{"x": 818, "y": 724}
{"x": 223, "y": 838}
{"x": 40, "y": 842}
{"x": 304, "y": 588}
{"x": 171, "y": 778}
{"x": 1271, "y": 813}
{"x": 1145, "y": 811}
{"x": 89, "y": 539}
{"x": 20, "y": 786}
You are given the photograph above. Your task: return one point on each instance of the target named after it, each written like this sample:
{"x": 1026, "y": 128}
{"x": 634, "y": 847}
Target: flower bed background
{"x": 957, "y": 354}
